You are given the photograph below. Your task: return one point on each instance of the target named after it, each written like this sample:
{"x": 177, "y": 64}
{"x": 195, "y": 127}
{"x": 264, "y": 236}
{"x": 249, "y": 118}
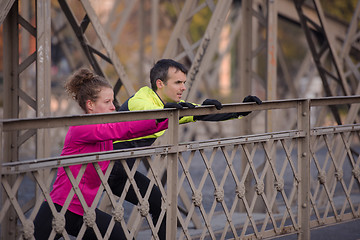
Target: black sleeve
{"x": 217, "y": 117}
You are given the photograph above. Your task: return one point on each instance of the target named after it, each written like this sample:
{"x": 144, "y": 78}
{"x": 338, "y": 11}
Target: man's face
{"x": 175, "y": 86}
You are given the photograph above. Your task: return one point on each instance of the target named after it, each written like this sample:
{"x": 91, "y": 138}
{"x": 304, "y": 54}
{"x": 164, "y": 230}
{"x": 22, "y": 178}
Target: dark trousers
{"x": 117, "y": 180}
{"x": 73, "y": 223}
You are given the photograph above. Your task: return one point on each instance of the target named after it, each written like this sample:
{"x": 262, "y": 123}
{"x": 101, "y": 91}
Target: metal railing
{"x": 244, "y": 187}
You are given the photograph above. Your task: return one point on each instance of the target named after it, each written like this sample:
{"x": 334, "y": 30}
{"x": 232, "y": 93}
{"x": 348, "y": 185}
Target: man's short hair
{"x": 160, "y": 71}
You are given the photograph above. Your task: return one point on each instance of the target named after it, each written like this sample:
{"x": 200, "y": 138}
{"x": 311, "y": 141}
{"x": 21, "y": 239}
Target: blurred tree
{"x": 341, "y": 9}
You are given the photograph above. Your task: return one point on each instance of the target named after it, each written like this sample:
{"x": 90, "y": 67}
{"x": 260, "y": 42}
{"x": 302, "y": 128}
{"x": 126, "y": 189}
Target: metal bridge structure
{"x": 290, "y": 166}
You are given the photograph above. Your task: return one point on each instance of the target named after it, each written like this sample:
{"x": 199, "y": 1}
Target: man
{"x": 168, "y": 79}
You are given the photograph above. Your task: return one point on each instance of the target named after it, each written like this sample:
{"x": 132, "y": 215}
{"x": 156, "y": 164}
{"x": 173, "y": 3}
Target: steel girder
{"x": 91, "y": 52}
{"x": 14, "y": 92}
{"x": 323, "y": 51}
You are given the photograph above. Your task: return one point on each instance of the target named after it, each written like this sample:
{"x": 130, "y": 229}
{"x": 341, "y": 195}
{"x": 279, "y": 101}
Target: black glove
{"x": 187, "y": 104}
{"x": 213, "y": 102}
{"x": 173, "y": 105}
{"x": 179, "y": 105}
{"x": 250, "y": 99}
{"x": 170, "y": 105}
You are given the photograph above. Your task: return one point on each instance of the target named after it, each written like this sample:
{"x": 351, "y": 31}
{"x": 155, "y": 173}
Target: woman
{"x": 94, "y": 95}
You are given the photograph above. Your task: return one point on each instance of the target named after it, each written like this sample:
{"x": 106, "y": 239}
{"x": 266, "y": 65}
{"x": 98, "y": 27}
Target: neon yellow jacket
{"x": 147, "y": 99}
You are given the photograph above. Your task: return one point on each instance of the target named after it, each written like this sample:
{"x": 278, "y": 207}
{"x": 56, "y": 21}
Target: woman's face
{"x": 104, "y": 102}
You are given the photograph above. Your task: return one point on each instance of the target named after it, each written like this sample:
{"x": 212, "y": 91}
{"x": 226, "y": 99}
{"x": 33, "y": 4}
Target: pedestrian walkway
{"x": 345, "y": 231}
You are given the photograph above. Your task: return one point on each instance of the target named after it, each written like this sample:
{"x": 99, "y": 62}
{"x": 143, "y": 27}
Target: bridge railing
{"x": 251, "y": 186}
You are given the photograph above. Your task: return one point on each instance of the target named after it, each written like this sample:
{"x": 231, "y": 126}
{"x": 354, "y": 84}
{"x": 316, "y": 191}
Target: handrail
{"x": 65, "y": 121}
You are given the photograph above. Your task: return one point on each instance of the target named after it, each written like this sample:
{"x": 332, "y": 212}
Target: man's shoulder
{"x": 144, "y": 93}
{"x": 144, "y": 99}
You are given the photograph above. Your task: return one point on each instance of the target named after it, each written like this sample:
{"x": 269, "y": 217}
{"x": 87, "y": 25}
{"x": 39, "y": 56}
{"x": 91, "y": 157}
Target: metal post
{"x": 43, "y": 76}
{"x": 172, "y": 176}
{"x": 142, "y": 35}
{"x": 1, "y": 146}
{"x": 244, "y": 86}
{"x": 304, "y": 169}
{"x": 271, "y": 78}
{"x": 154, "y": 28}
{"x": 246, "y": 59}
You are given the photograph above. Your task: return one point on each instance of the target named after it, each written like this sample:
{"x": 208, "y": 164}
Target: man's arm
{"x": 224, "y": 116}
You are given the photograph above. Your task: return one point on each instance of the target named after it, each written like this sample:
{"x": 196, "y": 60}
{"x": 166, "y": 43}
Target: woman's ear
{"x": 159, "y": 83}
{"x": 89, "y": 106}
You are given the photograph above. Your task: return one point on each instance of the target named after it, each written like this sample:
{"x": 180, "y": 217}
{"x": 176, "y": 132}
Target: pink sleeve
{"x": 116, "y": 131}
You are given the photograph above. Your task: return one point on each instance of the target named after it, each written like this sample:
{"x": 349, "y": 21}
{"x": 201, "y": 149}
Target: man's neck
{"x": 159, "y": 97}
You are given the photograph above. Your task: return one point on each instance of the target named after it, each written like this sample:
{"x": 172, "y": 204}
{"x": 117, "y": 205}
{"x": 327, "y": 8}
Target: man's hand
{"x": 187, "y": 104}
{"x": 179, "y": 105}
{"x": 250, "y": 99}
{"x": 173, "y": 105}
{"x": 213, "y": 102}
{"x": 170, "y": 105}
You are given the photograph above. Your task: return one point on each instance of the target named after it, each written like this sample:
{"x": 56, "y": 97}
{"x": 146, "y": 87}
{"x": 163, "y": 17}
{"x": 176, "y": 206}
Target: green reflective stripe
{"x": 156, "y": 135}
{"x": 186, "y": 119}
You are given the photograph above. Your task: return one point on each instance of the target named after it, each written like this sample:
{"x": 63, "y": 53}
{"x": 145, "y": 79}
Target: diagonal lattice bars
{"x": 212, "y": 176}
{"x": 336, "y": 175}
{"x": 89, "y": 213}
{"x": 90, "y": 51}
{"x": 225, "y": 178}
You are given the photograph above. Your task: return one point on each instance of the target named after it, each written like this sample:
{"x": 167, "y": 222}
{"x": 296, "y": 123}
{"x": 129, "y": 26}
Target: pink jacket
{"x": 95, "y": 138}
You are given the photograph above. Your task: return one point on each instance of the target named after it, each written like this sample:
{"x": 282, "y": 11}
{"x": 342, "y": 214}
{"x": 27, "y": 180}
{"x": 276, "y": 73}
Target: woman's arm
{"x": 116, "y": 131}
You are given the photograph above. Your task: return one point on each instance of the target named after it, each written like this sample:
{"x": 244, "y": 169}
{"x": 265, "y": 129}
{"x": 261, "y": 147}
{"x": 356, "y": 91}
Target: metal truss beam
{"x": 324, "y": 51}
{"x": 5, "y": 6}
{"x": 11, "y": 105}
{"x": 90, "y": 51}
{"x": 349, "y": 55}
